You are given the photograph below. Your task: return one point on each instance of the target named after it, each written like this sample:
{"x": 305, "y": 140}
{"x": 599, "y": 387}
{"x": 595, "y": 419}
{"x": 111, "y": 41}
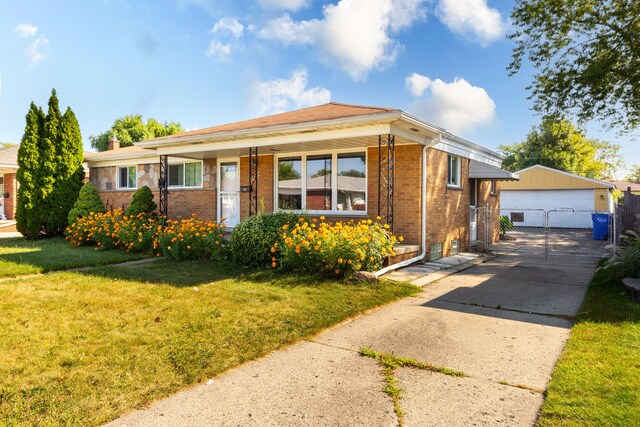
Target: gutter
{"x": 410, "y": 261}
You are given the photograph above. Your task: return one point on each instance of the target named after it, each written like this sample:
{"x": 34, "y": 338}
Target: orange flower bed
{"x": 192, "y": 238}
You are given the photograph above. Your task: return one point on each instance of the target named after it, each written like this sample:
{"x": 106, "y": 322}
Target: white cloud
{"x": 417, "y": 84}
{"x": 458, "y": 106}
{"x": 292, "y": 5}
{"x": 472, "y": 19}
{"x": 355, "y": 35}
{"x": 219, "y": 51}
{"x": 33, "y": 51}
{"x": 26, "y": 30}
{"x": 276, "y": 96}
{"x": 228, "y": 26}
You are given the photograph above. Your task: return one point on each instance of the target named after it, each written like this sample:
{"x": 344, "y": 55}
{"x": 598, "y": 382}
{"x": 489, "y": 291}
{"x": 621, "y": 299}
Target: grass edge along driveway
{"x": 83, "y": 348}
{"x": 597, "y": 379}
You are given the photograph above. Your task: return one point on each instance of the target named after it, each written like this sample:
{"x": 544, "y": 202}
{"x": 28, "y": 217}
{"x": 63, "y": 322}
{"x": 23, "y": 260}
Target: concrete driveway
{"x": 503, "y": 323}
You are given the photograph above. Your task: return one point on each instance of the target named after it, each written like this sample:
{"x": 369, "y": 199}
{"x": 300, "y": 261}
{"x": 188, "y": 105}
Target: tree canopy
{"x": 586, "y": 55}
{"x": 556, "y": 143}
{"x": 132, "y": 128}
{"x": 634, "y": 174}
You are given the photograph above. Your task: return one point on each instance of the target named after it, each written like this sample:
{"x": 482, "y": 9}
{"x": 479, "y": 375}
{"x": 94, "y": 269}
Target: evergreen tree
{"x": 50, "y": 170}
{"x": 29, "y": 195}
{"x": 88, "y": 201}
{"x": 141, "y": 202}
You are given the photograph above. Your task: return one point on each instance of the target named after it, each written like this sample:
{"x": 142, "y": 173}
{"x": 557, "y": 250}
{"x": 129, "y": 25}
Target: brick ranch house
{"x": 337, "y": 160}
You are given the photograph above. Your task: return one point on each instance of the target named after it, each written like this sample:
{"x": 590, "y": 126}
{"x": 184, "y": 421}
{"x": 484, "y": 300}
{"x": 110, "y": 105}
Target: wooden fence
{"x": 628, "y": 213}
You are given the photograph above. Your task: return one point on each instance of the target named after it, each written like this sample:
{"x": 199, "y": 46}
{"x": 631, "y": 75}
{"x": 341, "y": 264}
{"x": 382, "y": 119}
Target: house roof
{"x": 538, "y": 177}
{"x": 9, "y": 156}
{"x": 124, "y": 152}
{"x": 623, "y": 185}
{"x": 479, "y": 170}
{"x": 330, "y": 111}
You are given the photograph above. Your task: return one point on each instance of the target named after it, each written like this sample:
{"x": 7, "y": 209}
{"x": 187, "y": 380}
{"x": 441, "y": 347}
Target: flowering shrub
{"x": 340, "y": 249}
{"x": 191, "y": 238}
{"x": 114, "y": 230}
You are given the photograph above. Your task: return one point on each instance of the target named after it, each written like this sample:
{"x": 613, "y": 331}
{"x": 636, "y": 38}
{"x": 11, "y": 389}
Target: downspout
{"x": 410, "y": 261}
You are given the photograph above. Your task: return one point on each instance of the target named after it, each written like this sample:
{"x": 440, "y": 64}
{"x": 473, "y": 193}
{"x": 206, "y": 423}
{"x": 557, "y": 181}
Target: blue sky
{"x": 203, "y": 62}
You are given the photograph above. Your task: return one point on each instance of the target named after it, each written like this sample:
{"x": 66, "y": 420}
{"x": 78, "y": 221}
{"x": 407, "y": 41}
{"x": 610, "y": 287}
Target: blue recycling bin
{"x": 600, "y": 226}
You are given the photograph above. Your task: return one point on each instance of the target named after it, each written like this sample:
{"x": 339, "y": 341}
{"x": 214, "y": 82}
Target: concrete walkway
{"x": 503, "y": 323}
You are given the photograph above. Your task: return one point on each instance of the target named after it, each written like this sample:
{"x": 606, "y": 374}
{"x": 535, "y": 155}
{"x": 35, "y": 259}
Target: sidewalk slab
{"x": 307, "y": 384}
{"x": 431, "y": 399}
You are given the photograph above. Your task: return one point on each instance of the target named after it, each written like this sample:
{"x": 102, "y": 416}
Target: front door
{"x": 229, "y": 194}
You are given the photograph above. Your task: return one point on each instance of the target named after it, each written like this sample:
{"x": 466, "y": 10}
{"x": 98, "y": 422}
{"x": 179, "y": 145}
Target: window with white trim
{"x": 184, "y": 175}
{"x": 327, "y": 182}
{"x": 453, "y": 171}
{"x": 127, "y": 177}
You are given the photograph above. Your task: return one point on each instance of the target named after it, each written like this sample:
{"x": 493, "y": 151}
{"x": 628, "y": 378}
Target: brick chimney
{"x": 114, "y": 144}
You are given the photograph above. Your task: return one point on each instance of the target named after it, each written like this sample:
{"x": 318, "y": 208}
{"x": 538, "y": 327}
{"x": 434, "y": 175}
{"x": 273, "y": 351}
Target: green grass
{"x": 597, "y": 379}
{"x": 19, "y": 256}
{"x": 81, "y": 348}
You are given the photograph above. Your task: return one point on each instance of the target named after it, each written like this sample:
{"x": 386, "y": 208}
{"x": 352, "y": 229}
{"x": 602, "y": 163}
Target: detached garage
{"x": 565, "y": 199}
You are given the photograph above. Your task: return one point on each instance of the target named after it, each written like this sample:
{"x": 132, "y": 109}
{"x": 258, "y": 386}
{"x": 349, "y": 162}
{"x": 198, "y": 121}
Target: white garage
{"x": 564, "y": 200}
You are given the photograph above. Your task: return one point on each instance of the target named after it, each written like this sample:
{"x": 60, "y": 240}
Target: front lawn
{"x": 597, "y": 380}
{"x": 85, "y": 347}
{"x": 19, "y": 256}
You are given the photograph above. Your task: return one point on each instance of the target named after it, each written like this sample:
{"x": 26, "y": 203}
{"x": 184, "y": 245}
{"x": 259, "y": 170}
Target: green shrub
{"x": 253, "y": 238}
{"x": 627, "y": 261}
{"x": 191, "y": 238}
{"x": 142, "y": 202}
{"x": 505, "y": 224}
{"x": 88, "y": 201}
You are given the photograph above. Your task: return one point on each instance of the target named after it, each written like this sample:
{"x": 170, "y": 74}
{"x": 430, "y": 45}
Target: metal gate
{"x": 548, "y": 232}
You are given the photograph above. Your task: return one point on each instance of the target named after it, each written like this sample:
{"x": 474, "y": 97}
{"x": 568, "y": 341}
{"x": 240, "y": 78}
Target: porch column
{"x": 253, "y": 181}
{"x": 163, "y": 184}
{"x": 386, "y": 173}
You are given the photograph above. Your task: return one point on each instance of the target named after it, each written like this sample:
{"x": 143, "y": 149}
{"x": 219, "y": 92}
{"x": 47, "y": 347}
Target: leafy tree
{"x": 353, "y": 172}
{"x": 29, "y": 192}
{"x": 132, "y": 128}
{"x": 587, "y": 57}
{"x": 287, "y": 172}
{"x": 634, "y": 175}
{"x": 141, "y": 202}
{"x": 88, "y": 201}
{"x": 50, "y": 170}
{"x": 556, "y": 143}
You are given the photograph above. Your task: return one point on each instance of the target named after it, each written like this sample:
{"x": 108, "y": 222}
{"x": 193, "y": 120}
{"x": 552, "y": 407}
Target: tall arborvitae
{"x": 29, "y": 195}
{"x": 68, "y": 171}
{"x": 51, "y": 174}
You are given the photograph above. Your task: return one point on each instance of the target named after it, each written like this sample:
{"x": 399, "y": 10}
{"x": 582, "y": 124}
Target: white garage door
{"x": 580, "y": 201}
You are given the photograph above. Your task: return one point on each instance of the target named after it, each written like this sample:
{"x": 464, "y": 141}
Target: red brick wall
{"x": 11, "y": 187}
{"x": 447, "y": 208}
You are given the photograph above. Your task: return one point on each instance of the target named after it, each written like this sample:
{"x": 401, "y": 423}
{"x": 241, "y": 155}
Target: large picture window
{"x": 185, "y": 174}
{"x": 328, "y": 182}
{"x": 127, "y": 177}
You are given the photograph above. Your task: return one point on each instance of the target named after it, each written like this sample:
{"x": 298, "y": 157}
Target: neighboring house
{"x": 8, "y": 182}
{"x": 627, "y": 185}
{"x": 336, "y": 160}
{"x": 542, "y": 188}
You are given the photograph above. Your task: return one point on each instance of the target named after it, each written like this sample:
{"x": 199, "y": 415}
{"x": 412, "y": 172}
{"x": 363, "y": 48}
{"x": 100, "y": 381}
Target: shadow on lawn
{"x": 192, "y": 273}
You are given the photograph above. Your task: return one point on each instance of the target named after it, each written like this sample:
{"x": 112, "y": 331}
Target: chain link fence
{"x": 548, "y": 232}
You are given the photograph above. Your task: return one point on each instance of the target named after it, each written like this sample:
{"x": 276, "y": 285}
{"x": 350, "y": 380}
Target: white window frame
{"x": 127, "y": 188}
{"x": 334, "y": 181}
{"x": 184, "y": 172}
{"x": 458, "y": 171}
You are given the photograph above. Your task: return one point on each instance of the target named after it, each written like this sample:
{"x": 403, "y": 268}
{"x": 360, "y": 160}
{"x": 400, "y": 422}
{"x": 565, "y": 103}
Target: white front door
{"x": 229, "y": 194}
{"x": 473, "y": 226}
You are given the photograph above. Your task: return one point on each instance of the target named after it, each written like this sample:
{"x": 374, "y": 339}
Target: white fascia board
{"x": 459, "y": 149}
{"x": 262, "y": 133}
{"x": 8, "y": 166}
{"x": 123, "y": 161}
{"x": 296, "y": 138}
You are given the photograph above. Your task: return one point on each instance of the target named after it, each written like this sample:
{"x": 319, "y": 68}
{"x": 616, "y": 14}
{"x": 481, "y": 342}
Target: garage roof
{"x": 540, "y": 177}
